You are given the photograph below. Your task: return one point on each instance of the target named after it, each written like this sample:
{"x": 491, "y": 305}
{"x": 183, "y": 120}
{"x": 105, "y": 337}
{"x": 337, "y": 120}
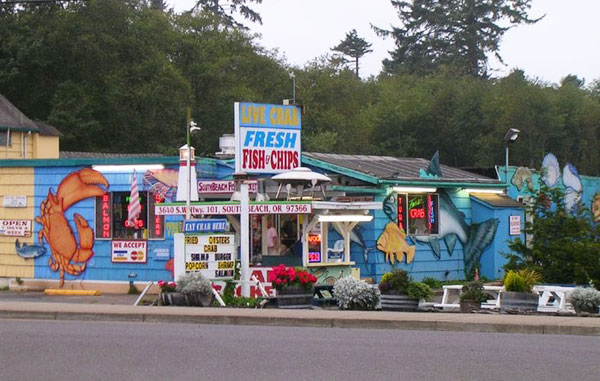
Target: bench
{"x": 451, "y": 297}
{"x": 553, "y": 298}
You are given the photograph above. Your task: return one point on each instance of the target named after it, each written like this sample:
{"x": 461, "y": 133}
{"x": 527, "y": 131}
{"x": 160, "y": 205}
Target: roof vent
{"x": 227, "y": 146}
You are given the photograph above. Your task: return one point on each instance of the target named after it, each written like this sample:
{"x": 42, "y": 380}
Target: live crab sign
{"x": 267, "y": 137}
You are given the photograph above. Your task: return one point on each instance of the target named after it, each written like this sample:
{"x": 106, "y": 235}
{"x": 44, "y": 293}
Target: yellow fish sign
{"x": 393, "y": 243}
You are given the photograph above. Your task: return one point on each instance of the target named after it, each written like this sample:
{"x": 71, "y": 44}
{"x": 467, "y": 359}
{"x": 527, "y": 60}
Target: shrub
{"x": 354, "y": 294}
{"x": 585, "y": 299}
{"x": 514, "y": 282}
{"x": 521, "y": 281}
{"x": 473, "y": 291}
{"x": 432, "y": 282}
{"x": 396, "y": 280}
{"x": 566, "y": 244}
{"x": 194, "y": 283}
{"x": 419, "y": 290}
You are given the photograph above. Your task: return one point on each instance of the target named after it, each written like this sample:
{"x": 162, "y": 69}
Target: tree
{"x": 455, "y": 33}
{"x": 225, "y": 9}
{"x": 354, "y": 47}
{"x": 566, "y": 244}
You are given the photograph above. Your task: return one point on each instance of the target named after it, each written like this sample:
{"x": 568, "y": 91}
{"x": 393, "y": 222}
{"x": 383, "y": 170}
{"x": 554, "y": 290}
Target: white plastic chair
{"x": 338, "y": 250}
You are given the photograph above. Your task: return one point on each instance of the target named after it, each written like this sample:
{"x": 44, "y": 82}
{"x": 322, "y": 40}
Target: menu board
{"x": 213, "y": 255}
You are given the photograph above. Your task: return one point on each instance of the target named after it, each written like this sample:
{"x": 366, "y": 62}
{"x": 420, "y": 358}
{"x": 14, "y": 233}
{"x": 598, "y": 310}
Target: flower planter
{"x": 199, "y": 300}
{"x": 398, "y": 302}
{"x": 468, "y": 306}
{"x": 295, "y": 297}
{"x": 180, "y": 299}
{"x": 518, "y": 302}
{"x": 173, "y": 299}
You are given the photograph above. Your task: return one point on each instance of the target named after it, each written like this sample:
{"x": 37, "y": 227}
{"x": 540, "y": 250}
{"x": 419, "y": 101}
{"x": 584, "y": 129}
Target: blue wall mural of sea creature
{"x": 453, "y": 226}
{"x": 26, "y": 251}
{"x": 573, "y": 187}
{"x": 523, "y": 178}
{"x": 550, "y": 170}
{"x": 355, "y": 237}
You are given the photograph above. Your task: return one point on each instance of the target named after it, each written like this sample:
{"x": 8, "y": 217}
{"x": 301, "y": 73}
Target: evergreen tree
{"x": 456, "y": 33}
{"x": 225, "y": 9}
{"x": 354, "y": 47}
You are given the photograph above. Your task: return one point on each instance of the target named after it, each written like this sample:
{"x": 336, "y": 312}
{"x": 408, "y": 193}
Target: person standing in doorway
{"x": 272, "y": 239}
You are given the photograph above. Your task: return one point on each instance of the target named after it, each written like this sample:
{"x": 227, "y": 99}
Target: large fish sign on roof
{"x": 267, "y": 138}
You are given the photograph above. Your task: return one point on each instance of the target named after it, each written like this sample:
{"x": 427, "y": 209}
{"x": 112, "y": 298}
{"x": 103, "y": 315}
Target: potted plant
{"x": 167, "y": 289}
{"x": 294, "y": 286}
{"x": 355, "y": 294}
{"x": 472, "y": 296}
{"x": 517, "y": 296}
{"x": 196, "y": 289}
{"x": 585, "y": 299}
{"x": 400, "y": 293}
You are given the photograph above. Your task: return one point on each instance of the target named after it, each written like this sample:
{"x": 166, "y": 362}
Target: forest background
{"x": 117, "y": 76}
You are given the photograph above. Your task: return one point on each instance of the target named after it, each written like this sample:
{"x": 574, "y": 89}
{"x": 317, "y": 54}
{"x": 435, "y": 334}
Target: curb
{"x": 316, "y": 322}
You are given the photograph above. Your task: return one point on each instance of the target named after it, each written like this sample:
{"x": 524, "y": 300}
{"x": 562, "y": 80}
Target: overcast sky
{"x": 565, "y": 42}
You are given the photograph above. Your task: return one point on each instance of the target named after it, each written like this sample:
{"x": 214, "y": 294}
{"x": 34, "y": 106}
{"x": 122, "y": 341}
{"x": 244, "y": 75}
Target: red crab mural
{"x": 67, "y": 254}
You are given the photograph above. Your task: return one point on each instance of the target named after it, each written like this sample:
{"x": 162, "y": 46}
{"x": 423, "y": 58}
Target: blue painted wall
{"x": 100, "y": 267}
{"x": 493, "y": 259}
{"x": 449, "y": 266}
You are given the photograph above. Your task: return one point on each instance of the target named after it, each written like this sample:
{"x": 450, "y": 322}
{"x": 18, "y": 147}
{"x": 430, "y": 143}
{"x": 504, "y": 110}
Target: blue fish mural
{"x": 356, "y": 237}
{"x": 475, "y": 238}
{"x": 29, "y": 251}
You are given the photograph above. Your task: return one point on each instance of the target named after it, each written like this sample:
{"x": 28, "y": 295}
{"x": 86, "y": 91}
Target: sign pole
{"x": 189, "y": 177}
{"x": 245, "y": 239}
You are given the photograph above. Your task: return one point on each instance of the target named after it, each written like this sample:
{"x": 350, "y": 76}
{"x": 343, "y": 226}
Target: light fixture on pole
{"x": 190, "y": 127}
{"x": 293, "y": 77}
{"x": 511, "y": 136}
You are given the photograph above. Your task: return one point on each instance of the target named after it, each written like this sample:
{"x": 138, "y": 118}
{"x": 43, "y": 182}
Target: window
{"x": 273, "y": 234}
{"x": 418, "y": 213}
{"x": 3, "y": 136}
{"x": 112, "y": 213}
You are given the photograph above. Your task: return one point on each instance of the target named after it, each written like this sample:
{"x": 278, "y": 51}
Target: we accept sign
{"x": 267, "y": 138}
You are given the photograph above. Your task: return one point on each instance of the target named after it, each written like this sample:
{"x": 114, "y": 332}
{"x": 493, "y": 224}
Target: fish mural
{"x": 355, "y": 237}
{"x": 27, "y": 251}
{"x": 523, "y": 178}
{"x": 392, "y": 242}
{"x": 573, "y": 187}
{"x": 162, "y": 182}
{"x": 453, "y": 227}
{"x": 550, "y": 170}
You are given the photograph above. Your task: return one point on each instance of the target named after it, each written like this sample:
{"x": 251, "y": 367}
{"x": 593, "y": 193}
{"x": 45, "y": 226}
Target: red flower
{"x": 282, "y": 276}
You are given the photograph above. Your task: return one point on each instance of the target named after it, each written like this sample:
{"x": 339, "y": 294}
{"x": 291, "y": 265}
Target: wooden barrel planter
{"x": 518, "y": 302}
{"x": 468, "y": 306}
{"x": 398, "y": 302}
{"x": 173, "y": 299}
{"x": 294, "y": 297}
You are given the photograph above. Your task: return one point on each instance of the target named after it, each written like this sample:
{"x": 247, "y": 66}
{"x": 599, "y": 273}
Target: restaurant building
{"x": 66, "y": 217}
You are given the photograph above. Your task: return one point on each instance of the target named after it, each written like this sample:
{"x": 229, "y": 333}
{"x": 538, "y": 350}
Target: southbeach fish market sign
{"x": 267, "y": 138}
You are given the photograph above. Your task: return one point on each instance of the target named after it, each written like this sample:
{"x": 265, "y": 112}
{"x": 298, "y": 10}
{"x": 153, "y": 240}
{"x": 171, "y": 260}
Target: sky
{"x": 564, "y": 42}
